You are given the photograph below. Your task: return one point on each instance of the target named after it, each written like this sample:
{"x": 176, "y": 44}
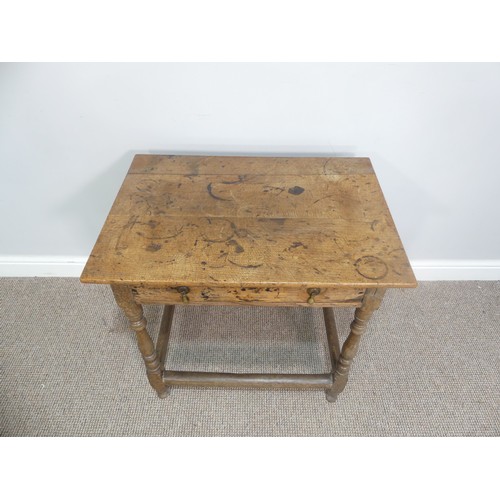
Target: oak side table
{"x": 220, "y": 230}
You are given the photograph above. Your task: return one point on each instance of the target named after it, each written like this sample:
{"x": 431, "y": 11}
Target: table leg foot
{"x": 331, "y": 397}
{"x": 163, "y": 394}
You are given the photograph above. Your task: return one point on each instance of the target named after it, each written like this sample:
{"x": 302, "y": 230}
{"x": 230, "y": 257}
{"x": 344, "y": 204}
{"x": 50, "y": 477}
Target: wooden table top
{"x": 249, "y": 221}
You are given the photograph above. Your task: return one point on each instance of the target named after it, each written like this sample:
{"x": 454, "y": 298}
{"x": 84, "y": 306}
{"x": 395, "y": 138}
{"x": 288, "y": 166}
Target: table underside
{"x": 161, "y": 380}
{"x": 256, "y": 380}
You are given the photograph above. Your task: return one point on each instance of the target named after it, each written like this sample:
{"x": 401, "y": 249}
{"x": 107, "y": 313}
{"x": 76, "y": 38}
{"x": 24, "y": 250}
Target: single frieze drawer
{"x": 265, "y": 295}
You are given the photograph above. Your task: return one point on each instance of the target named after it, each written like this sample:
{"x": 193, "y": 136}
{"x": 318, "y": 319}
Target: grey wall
{"x": 69, "y": 131}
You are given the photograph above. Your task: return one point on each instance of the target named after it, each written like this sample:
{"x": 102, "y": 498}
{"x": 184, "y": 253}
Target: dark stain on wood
{"x": 241, "y": 178}
{"x": 371, "y": 267}
{"x": 237, "y": 247}
{"x": 153, "y": 247}
{"x": 296, "y": 190}
{"x": 297, "y": 244}
{"x": 121, "y": 243}
{"x": 325, "y": 164}
{"x": 227, "y": 229}
{"x": 209, "y": 189}
{"x": 245, "y": 266}
{"x": 273, "y": 189}
{"x": 324, "y": 198}
{"x": 164, "y": 237}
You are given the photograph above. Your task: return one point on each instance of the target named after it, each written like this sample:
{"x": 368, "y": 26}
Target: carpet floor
{"x": 429, "y": 365}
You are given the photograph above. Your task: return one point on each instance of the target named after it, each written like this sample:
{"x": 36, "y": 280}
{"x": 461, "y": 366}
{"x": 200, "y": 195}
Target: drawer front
{"x": 260, "y": 296}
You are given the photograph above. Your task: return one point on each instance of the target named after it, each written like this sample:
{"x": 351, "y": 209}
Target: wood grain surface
{"x": 248, "y": 221}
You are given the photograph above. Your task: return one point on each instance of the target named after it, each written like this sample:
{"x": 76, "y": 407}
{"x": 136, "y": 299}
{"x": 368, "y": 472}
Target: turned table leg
{"x": 134, "y": 313}
{"x": 371, "y": 302}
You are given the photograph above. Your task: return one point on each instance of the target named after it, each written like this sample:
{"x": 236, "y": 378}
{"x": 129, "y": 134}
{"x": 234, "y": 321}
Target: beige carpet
{"x": 428, "y": 366}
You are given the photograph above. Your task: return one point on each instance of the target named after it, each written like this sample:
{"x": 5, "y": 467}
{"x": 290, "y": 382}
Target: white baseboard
{"x": 72, "y": 266}
{"x": 456, "y": 270}
{"x": 22, "y": 266}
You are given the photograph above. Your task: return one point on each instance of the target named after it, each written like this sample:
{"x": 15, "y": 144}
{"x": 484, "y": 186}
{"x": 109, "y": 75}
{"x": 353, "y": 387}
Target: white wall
{"x": 69, "y": 131}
